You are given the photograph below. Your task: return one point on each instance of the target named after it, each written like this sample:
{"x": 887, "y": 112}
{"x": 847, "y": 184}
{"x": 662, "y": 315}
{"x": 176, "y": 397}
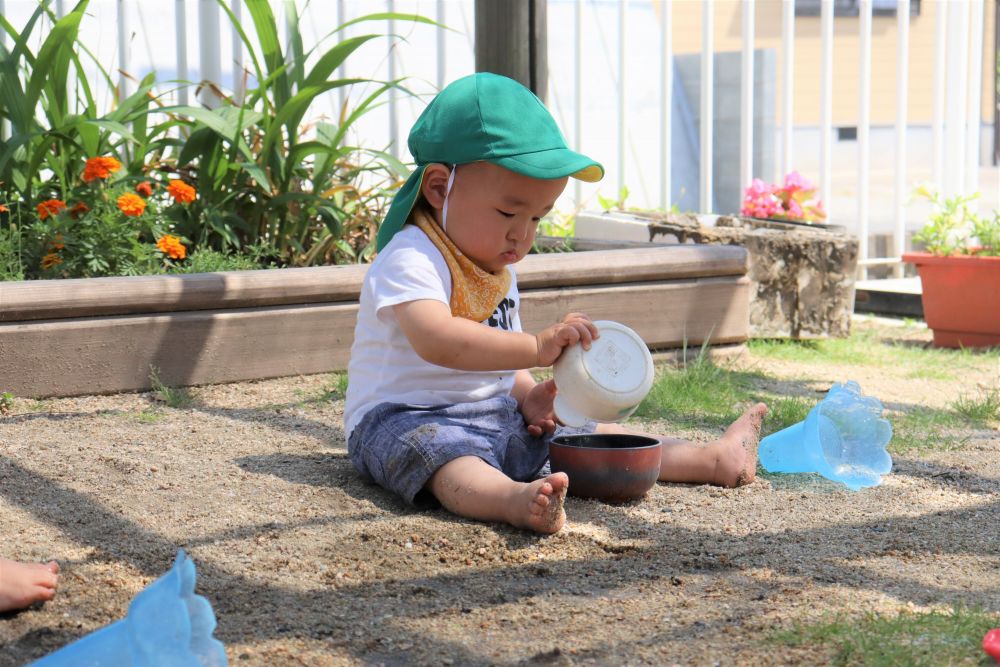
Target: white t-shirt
{"x": 384, "y": 367}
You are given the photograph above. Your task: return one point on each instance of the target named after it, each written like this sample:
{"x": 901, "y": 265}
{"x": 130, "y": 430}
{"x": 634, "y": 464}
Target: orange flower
{"x": 131, "y": 205}
{"x": 78, "y": 210}
{"x": 51, "y": 260}
{"x": 4, "y": 209}
{"x": 50, "y": 207}
{"x": 172, "y": 247}
{"x": 145, "y": 188}
{"x": 57, "y": 243}
{"x": 181, "y": 191}
{"x": 100, "y": 167}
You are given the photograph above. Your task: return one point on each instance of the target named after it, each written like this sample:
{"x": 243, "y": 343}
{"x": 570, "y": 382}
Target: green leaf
{"x": 333, "y": 58}
{"x": 54, "y": 55}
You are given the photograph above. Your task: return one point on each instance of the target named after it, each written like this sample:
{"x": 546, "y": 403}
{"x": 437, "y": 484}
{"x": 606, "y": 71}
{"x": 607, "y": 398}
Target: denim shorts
{"x": 400, "y": 446}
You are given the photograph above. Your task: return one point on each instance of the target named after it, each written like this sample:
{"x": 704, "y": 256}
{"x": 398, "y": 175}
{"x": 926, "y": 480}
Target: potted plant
{"x": 960, "y": 272}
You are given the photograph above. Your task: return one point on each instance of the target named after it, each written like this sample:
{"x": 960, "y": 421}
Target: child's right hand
{"x": 574, "y": 328}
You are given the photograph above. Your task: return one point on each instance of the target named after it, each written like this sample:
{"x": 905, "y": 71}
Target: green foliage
{"x": 981, "y": 408}
{"x": 174, "y": 397}
{"x": 558, "y": 225}
{"x": 50, "y": 140}
{"x": 263, "y": 176}
{"x": 99, "y": 242}
{"x": 868, "y": 348}
{"x": 923, "y": 429}
{"x": 209, "y": 261}
{"x": 269, "y": 179}
{"x": 953, "y": 228}
{"x": 909, "y": 638}
{"x": 613, "y": 204}
{"x": 6, "y": 402}
{"x": 987, "y": 233}
{"x": 705, "y": 394}
{"x": 11, "y": 267}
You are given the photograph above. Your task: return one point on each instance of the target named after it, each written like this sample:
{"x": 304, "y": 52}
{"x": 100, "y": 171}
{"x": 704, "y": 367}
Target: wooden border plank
{"x": 111, "y": 354}
{"x": 91, "y": 297}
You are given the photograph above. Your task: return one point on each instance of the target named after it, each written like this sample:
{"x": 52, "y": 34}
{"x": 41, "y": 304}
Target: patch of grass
{"x": 174, "y": 397}
{"x": 698, "y": 393}
{"x": 785, "y": 411}
{"x": 925, "y": 428}
{"x": 149, "y": 416}
{"x": 335, "y": 388}
{"x": 980, "y": 409}
{"x": 702, "y": 393}
{"x": 866, "y": 347}
{"x": 6, "y": 403}
{"x": 931, "y": 373}
{"x": 932, "y": 638}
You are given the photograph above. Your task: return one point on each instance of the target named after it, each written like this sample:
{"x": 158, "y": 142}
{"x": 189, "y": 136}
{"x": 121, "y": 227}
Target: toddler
{"x": 439, "y": 398}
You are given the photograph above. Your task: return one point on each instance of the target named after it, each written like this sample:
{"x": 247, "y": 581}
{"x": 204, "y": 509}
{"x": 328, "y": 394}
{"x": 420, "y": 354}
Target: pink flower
{"x": 758, "y": 188}
{"x": 795, "y": 210}
{"x": 794, "y": 181}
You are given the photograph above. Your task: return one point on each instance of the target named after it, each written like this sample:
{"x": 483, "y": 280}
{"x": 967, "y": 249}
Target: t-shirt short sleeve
{"x": 410, "y": 270}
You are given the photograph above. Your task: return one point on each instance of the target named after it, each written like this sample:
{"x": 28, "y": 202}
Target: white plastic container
{"x": 605, "y": 383}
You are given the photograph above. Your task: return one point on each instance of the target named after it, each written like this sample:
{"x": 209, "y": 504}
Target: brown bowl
{"x": 611, "y": 467}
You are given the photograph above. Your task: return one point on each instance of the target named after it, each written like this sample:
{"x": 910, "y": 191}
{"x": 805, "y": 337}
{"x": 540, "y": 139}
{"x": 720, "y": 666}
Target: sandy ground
{"x": 305, "y": 564}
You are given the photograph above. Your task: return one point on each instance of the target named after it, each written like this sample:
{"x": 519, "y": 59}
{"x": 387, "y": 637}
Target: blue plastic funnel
{"x": 843, "y": 438}
{"x": 167, "y": 626}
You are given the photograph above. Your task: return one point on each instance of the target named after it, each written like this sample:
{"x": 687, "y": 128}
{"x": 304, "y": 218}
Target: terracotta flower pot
{"x": 961, "y": 297}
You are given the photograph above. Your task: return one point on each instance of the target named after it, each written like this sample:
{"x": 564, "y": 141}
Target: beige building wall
{"x": 687, "y": 16}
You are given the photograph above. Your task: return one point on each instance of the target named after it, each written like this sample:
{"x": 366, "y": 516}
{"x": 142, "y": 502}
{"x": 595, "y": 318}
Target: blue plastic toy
{"x": 843, "y": 438}
{"x": 167, "y": 626}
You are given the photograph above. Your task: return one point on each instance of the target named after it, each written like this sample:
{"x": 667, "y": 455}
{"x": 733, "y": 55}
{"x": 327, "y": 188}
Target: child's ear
{"x": 435, "y": 184}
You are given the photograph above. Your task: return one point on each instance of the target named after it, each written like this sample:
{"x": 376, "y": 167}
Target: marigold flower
{"x": 50, "y": 260}
{"x": 100, "y": 167}
{"x": 145, "y": 189}
{"x": 4, "y": 209}
{"x": 50, "y": 207}
{"x": 57, "y": 242}
{"x": 181, "y": 191}
{"x": 78, "y": 210}
{"x": 172, "y": 247}
{"x": 131, "y": 205}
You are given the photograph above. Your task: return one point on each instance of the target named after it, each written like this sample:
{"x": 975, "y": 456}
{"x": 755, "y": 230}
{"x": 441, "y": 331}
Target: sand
{"x": 305, "y": 564}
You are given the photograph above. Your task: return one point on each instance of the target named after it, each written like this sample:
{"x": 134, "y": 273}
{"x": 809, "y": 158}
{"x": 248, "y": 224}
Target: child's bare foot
{"x": 736, "y": 462}
{"x": 23, "y": 584}
{"x": 539, "y": 505}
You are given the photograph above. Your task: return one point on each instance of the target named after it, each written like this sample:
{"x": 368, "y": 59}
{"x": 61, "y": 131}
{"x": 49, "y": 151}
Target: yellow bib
{"x": 475, "y": 293}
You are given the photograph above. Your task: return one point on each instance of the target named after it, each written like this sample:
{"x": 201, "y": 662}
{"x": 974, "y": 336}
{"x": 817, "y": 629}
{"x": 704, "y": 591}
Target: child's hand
{"x": 575, "y": 328}
{"x": 537, "y": 409}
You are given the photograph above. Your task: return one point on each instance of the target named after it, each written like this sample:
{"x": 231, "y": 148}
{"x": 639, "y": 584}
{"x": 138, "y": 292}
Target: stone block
{"x": 801, "y": 277}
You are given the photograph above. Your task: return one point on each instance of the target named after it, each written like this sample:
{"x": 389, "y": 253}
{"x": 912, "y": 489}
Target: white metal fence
{"x": 604, "y": 73}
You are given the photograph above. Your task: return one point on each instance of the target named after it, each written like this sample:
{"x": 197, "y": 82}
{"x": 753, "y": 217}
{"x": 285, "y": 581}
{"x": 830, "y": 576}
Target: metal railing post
{"x": 787, "y": 83}
{"x": 826, "y": 103}
{"x": 746, "y": 95}
{"x": 902, "y": 86}
{"x": 864, "y": 122}
{"x": 180, "y": 36}
{"x": 707, "y": 101}
{"x": 666, "y": 103}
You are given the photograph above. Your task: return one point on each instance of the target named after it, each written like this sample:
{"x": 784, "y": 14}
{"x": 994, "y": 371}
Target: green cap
{"x": 486, "y": 118}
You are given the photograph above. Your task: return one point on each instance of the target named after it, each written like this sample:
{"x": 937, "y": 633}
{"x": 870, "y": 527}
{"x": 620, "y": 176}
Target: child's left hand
{"x": 537, "y": 409}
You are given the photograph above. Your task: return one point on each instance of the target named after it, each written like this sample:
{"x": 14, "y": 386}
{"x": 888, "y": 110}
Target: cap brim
{"x": 553, "y": 163}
